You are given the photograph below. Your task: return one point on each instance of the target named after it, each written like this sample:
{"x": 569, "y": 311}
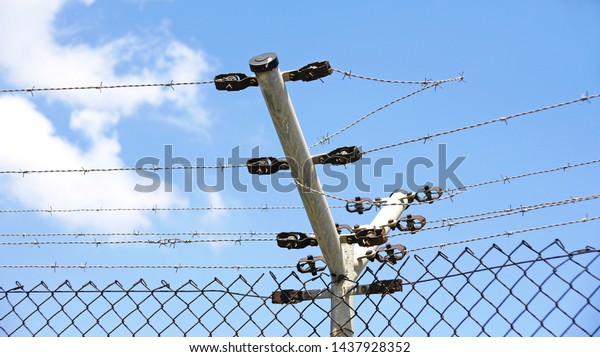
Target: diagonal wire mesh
{"x": 518, "y": 292}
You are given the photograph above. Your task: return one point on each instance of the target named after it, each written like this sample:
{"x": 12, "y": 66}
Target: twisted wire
{"x": 435, "y": 84}
{"x": 476, "y": 125}
{"x": 477, "y": 217}
{"x": 102, "y": 86}
{"x": 507, "y": 233}
{"x": 392, "y": 81}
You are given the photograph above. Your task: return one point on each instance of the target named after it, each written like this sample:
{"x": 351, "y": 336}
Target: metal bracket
{"x": 289, "y": 296}
{"x": 413, "y": 223}
{"x": 382, "y": 287}
{"x": 309, "y": 265}
{"x": 295, "y": 240}
{"x": 359, "y": 205}
{"x": 234, "y": 81}
{"x": 266, "y": 165}
{"x": 390, "y": 256}
{"x": 310, "y": 72}
{"x": 428, "y": 194}
{"x": 366, "y": 237}
{"x": 340, "y": 156}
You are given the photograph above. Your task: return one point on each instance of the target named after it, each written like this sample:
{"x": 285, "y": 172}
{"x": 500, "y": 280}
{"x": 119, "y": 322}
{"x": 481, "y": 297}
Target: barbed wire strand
{"x": 392, "y": 81}
{"x": 170, "y": 242}
{"x": 52, "y": 210}
{"x": 176, "y": 267}
{"x": 506, "y": 233}
{"x": 435, "y": 84}
{"x": 102, "y": 86}
{"x": 121, "y": 234}
{"x": 478, "y": 217}
{"x": 505, "y": 119}
{"x": 116, "y": 169}
{"x": 448, "y": 222}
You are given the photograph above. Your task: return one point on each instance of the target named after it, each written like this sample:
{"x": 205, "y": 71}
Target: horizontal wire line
{"x": 171, "y": 242}
{"x": 154, "y": 209}
{"x": 478, "y": 217}
{"x": 113, "y": 169}
{"x": 427, "y": 86}
{"x": 117, "y": 234}
{"x": 507, "y": 233}
{"x": 176, "y": 267}
{"x": 508, "y": 178}
{"x": 472, "y": 126}
{"x": 449, "y": 222}
{"x": 511, "y": 264}
{"x": 102, "y": 86}
{"x": 392, "y": 81}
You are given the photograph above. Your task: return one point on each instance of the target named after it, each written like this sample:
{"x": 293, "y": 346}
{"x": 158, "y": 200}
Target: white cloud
{"x": 30, "y": 55}
{"x": 27, "y": 140}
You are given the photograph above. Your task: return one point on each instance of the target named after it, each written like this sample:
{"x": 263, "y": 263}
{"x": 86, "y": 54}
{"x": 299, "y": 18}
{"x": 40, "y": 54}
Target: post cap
{"x": 264, "y": 63}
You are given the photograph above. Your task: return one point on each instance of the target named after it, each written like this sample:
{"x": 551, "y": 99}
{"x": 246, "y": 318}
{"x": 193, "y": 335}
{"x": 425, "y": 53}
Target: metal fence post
{"x": 341, "y": 261}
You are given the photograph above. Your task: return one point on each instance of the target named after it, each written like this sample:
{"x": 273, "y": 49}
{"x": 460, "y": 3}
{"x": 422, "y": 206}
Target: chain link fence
{"x": 521, "y": 292}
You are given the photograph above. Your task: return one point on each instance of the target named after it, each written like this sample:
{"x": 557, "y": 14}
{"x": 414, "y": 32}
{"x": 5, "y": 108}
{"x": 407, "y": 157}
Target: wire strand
{"x": 121, "y": 234}
{"x": 116, "y": 169}
{"x": 506, "y": 233}
{"x": 392, "y": 81}
{"x": 176, "y": 267}
{"x": 427, "y": 86}
{"x": 102, "y": 86}
{"x": 478, "y": 217}
{"x": 472, "y": 126}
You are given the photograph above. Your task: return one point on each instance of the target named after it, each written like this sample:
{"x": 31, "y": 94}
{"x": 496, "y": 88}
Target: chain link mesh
{"x": 521, "y": 292}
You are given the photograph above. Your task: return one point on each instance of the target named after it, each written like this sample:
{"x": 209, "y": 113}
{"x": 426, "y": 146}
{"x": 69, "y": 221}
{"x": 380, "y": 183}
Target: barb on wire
{"x": 434, "y": 84}
{"x": 472, "y": 126}
{"x": 102, "y": 86}
{"x": 508, "y": 233}
{"x": 477, "y": 217}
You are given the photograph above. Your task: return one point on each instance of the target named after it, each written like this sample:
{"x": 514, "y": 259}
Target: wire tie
{"x": 155, "y": 208}
{"x": 239, "y": 240}
{"x": 505, "y": 179}
{"x": 567, "y": 167}
{"x": 505, "y": 120}
{"x": 54, "y": 267}
{"x": 31, "y": 90}
{"x": 83, "y": 266}
{"x": 36, "y": 243}
{"x": 428, "y": 137}
{"x": 50, "y": 211}
{"x": 100, "y": 87}
{"x": 170, "y": 84}
{"x": 585, "y": 97}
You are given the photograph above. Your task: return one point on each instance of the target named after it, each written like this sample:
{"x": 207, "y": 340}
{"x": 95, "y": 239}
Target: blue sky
{"x": 515, "y": 56}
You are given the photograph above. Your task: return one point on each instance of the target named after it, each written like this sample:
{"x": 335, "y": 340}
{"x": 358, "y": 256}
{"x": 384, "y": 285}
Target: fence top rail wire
{"x": 446, "y": 223}
{"x": 504, "y": 234}
{"x": 504, "y": 119}
{"x": 102, "y": 86}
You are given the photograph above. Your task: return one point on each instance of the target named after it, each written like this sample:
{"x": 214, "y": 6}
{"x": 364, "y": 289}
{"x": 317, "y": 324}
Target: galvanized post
{"x": 341, "y": 259}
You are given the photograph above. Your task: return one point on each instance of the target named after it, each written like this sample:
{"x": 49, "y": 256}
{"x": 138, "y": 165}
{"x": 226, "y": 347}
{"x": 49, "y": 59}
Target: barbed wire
{"x": 52, "y": 210}
{"x": 505, "y": 179}
{"x": 392, "y": 81}
{"x": 102, "y": 86}
{"x": 435, "y": 84}
{"x": 136, "y": 233}
{"x": 505, "y": 119}
{"x": 477, "y": 217}
{"x": 168, "y": 242}
{"x": 447, "y": 222}
{"x": 116, "y": 169}
{"x": 176, "y": 267}
{"x": 506, "y": 233}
